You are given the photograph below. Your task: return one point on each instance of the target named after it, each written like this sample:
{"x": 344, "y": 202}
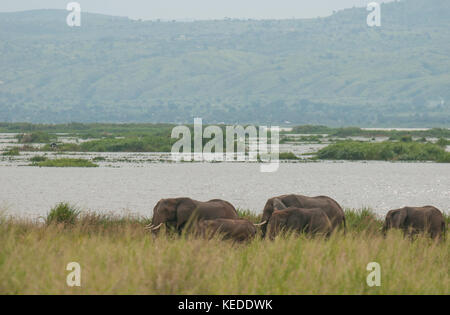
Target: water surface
{"x": 135, "y": 188}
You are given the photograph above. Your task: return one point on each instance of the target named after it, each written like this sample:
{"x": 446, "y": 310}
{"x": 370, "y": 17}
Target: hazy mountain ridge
{"x": 334, "y": 70}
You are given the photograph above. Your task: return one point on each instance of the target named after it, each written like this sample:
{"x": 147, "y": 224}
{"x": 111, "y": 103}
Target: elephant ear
{"x": 399, "y": 218}
{"x": 154, "y": 209}
{"x": 278, "y": 204}
{"x": 156, "y": 206}
{"x": 268, "y": 210}
{"x": 172, "y": 207}
{"x": 184, "y": 208}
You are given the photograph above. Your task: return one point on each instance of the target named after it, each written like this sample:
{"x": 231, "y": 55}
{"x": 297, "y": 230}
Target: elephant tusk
{"x": 156, "y": 227}
{"x": 149, "y": 226}
{"x": 260, "y": 224}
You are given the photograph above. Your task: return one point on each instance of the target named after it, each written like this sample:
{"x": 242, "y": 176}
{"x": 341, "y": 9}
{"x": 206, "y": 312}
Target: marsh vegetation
{"x": 347, "y": 143}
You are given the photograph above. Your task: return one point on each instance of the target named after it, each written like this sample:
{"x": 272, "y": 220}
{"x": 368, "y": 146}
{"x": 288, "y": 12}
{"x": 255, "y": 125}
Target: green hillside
{"x": 333, "y": 71}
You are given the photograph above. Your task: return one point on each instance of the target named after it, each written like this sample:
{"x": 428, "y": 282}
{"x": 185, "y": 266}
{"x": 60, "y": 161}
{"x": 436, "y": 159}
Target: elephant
{"x": 311, "y": 221}
{"x": 414, "y": 220}
{"x": 177, "y": 212}
{"x": 238, "y": 230}
{"x": 327, "y": 204}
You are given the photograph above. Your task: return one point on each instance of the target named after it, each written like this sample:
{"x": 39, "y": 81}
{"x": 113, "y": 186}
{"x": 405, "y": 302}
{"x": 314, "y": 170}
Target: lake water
{"x": 135, "y": 188}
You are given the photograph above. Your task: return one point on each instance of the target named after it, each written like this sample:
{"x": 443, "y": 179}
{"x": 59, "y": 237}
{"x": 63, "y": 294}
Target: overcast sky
{"x": 195, "y": 9}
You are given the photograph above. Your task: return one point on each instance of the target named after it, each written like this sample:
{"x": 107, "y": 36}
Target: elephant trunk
{"x": 264, "y": 225}
{"x": 153, "y": 228}
{"x": 156, "y": 224}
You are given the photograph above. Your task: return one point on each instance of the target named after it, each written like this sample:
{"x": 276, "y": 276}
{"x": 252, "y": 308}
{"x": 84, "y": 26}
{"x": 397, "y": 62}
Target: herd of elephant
{"x": 297, "y": 213}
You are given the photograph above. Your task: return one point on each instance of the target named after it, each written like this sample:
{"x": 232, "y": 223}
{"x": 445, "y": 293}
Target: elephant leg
{"x": 414, "y": 233}
{"x": 435, "y": 233}
{"x": 432, "y": 234}
{"x": 170, "y": 227}
{"x": 406, "y": 232}
{"x": 181, "y": 228}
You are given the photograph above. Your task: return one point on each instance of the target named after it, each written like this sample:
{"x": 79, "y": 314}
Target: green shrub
{"x": 38, "y": 158}
{"x": 442, "y": 142}
{"x": 11, "y": 152}
{"x": 63, "y": 213}
{"x": 347, "y": 132}
{"x": 359, "y": 220}
{"x": 248, "y": 215}
{"x": 384, "y": 151}
{"x": 406, "y": 139}
{"x": 65, "y": 162}
{"x": 287, "y": 156}
{"x": 131, "y": 144}
{"x": 444, "y": 158}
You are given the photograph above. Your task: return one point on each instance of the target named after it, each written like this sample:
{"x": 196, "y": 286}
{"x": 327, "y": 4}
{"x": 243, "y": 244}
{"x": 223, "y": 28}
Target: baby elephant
{"x": 415, "y": 220}
{"x": 238, "y": 230}
{"x": 311, "y": 221}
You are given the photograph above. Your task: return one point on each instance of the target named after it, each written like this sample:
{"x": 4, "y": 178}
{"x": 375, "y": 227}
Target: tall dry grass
{"x": 117, "y": 256}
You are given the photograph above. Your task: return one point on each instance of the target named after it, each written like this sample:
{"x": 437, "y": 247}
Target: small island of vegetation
{"x": 384, "y": 151}
{"x": 65, "y": 162}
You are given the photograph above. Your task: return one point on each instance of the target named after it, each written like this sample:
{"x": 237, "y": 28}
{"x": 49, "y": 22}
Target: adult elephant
{"x": 177, "y": 212}
{"x": 414, "y": 220}
{"x": 332, "y": 209}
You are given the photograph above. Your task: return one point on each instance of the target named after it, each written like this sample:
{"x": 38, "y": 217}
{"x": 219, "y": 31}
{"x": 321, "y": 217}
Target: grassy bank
{"x": 384, "y": 151}
{"x": 118, "y": 257}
